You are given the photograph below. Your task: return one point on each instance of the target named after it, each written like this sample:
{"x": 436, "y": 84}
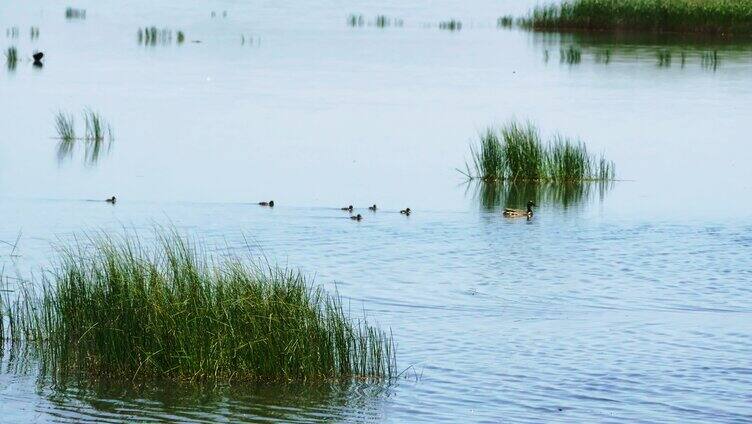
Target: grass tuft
{"x": 451, "y": 25}
{"x": 73, "y": 13}
{"x": 11, "y": 57}
{"x": 687, "y": 16}
{"x": 114, "y": 308}
{"x": 516, "y": 152}
{"x": 505, "y": 21}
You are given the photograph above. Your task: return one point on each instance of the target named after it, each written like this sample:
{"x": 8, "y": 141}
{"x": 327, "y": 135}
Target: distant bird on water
{"x": 349, "y": 208}
{"x": 357, "y": 217}
{"x": 405, "y": 211}
{"x": 111, "y": 200}
{"x": 269, "y": 203}
{"x": 372, "y": 208}
{"x": 38, "y": 57}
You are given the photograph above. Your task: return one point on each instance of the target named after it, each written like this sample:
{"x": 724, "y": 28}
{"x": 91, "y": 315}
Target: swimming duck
{"x": 269, "y": 203}
{"x": 38, "y": 57}
{"x": 517, "y": 213}
{"x": 349, "y": 208}
{"x": 405, "y": 211}
{"x": 357, "y": 217}
{"x": 111, "y": 200}
{"x": 372, "y": 208}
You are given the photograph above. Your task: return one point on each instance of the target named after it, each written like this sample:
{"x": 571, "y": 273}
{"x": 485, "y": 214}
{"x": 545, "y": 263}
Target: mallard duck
{"x": 405, "y": 211}
{"x": 349, "y": 208}
{"x": 111, "y": 200}
{"x": 372, "y": 208}
{"x": 357, "y": 217}
{"x": 269, "y": 203}
{"x": 517, "y": 213}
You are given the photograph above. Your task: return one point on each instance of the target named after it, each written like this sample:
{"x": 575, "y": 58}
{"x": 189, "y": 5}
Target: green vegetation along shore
{"x": 686, "y": 16}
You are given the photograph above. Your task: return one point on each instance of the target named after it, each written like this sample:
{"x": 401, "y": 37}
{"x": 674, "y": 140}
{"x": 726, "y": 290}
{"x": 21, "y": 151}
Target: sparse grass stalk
{"x": 505, "y": 21}
{"x": 690, "y": 16}
{"x": 64, "y": 123}
{"x": 115, "y": 308}
{"x": 451, "y": 25}
{"x": 73, "y": 13}
{"x": 516, "y": 152}
{"x": 11, "y": 57}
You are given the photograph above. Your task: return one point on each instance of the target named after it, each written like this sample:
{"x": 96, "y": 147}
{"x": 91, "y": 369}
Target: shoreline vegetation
{"x": 711, "y": 17}
{"x": 516, "y": 152}
{"x": 115, "y": 308}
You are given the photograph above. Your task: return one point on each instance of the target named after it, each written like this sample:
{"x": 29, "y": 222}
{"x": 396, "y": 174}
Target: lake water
{"x": 626, "y": 303}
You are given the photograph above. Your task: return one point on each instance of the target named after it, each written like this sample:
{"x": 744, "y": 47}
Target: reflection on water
{"x": 93, "y": 149}
{"x": 110, "y": 402}
{"x": 663, "y": 50}
{"x": 494, "y": 196}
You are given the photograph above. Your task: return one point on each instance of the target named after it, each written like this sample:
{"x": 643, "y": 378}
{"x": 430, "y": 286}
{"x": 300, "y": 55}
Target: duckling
{"x": 372, "y": 208}
{"x": 357, "y": 217}
{"x": 111, "y": 200}
{"x": 517, "y": 213}
{"x": 269, "y": 203}
{"x": 349, "y": 208}
{"x": 405, "y": 211}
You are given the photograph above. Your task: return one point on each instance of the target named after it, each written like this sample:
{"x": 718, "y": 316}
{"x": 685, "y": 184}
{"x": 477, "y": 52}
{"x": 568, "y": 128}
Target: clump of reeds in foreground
{"x": 690, "y": 16}
{"x": 451, "y": 25}
{"x": 516, "y": 152}
{"x": 73, "y": 13}
{"x": 115, "y": 308}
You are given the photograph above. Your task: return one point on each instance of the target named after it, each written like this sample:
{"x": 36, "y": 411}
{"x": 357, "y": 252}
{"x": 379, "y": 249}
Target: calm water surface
{"x": 628, "y": 303}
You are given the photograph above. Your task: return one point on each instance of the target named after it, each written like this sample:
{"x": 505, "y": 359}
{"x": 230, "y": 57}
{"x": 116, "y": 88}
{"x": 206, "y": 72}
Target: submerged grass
{"x": 73, "y": 13}
{"x": 690, "y": 16}
{"x": 516, "y": 152}
{"x": 11, "y": 57}
{"x": 505, "y": 21}
{"x": 451, "y": 25}
{"x": 115, "y": 308}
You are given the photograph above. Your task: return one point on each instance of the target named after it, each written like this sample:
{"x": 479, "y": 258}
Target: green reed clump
{"x": 65, "y": 126}
{"x": 451, "y": 25}
{"x": 516, "y": 152}
{"x": 73, "y": 13}
{"x": 115, "y": 308}
{"x": 505, "y": 21}
{"x": 11, "y": 57}
{"x": 355, "y": 20}
{"x": 96, "y": 127}
{"x": 696, "y": 16}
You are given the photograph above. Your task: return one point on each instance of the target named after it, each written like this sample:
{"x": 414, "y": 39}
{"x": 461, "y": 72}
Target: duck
{"x": 372, "y": 208}
{"x": 111, "y": 200}
{"x": 517, "y": 213}
{"x": 269, "y": 203}
{"x": 38, "y": 57}
{"x": 349, "y": 208}
{"x": 405, "y": 211}
{"x": 357, "y": 217}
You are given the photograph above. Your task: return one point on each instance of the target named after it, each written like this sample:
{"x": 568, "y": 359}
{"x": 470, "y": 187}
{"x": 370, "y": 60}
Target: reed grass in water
{"x": 11, "y": 57}
{"x": 516, "y": 152}
{"x": 114, "y": 308}
{"x": 689, "y": 16}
